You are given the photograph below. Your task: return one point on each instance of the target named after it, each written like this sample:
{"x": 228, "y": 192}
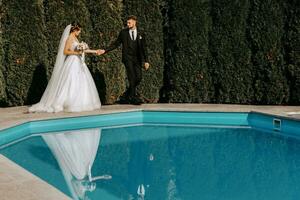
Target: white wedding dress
{"x": 71, "y": 87}
{"x": 75, "y": 152}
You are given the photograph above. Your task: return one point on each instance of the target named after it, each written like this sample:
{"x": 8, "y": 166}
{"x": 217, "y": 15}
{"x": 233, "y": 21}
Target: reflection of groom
{"x": 134, "y": 55}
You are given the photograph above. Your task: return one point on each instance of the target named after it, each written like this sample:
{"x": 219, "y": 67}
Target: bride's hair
{"x": 75, "y": 26}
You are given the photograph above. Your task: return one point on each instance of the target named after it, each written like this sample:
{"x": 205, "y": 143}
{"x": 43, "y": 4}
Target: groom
{"x": 134, "y": 56}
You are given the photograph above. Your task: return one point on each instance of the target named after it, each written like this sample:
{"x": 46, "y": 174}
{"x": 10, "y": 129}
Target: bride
{"x": 71, "y": 87}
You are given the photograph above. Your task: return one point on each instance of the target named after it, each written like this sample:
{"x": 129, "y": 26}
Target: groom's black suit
{"x": 134, "y": 54}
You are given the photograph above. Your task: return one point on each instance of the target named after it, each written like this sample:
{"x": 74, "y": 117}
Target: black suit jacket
{"x": 123, "y": 39}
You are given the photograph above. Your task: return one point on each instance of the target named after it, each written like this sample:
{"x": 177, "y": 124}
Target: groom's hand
{"x": 146, "y": 65}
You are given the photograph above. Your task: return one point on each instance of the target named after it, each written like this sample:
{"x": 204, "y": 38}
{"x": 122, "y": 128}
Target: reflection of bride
{"x": 75, "y": 152}
{"x": 71, "y": 87}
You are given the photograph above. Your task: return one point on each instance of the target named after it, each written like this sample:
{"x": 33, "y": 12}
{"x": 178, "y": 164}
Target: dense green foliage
{"x": 231, "y": 68}
{"x": 25, "y": 49}
{"x": 292, "y": 49}
{"x": 232, "y": 51}
{"x": 210, "y": 51}
{"x": 266, "y": 30}
{"x": 189, "y": 27}
{"x": 2, "y": 83}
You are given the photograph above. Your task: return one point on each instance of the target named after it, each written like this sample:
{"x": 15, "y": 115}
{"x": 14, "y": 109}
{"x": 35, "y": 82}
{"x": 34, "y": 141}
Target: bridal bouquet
{"x": 82, "y": 46}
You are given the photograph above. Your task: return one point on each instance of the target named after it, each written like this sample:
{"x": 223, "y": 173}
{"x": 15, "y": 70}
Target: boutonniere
{"x": 141, "y": 37}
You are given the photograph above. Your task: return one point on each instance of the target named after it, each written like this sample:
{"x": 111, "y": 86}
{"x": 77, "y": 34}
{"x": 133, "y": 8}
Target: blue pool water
{"x": 180, "y": 163}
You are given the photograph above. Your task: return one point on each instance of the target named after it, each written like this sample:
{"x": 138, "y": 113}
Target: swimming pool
{"x": 165, "y": 155}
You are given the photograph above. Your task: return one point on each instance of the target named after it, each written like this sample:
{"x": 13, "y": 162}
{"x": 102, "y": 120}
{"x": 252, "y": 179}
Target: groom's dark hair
{"x": 133, "y": 17}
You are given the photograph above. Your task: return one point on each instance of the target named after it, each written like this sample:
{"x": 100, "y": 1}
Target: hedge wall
{"x": 2, "y": 80}
{"x": 266, "y": 30}
{"x": 25, "y": 49}
{"x": 292, "y": 49}
{"x": 231, "y": 67}
{"x": 239, "y": 49}
{"x": 211, "y": 51}
{"x": 188, "y": 25}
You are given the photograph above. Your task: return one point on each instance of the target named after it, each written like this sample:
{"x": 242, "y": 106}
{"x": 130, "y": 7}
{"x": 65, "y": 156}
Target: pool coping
{"x": 254, "y": 119}
{"x": 10, "y": 117}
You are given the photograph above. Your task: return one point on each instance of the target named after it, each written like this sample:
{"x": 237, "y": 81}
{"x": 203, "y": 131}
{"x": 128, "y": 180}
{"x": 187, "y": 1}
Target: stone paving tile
{"x": 18, "y": 184}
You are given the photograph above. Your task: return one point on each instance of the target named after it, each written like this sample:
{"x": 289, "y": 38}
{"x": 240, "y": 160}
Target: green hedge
{"x": 150, "y": 21}
{"x": 266, "y": 30}
{"x": 25, "y": 49}
{"x": 3, "y": 99}
{"x": 211, "y": 51}
{"x": 292, "y": 49}
{"x": 231, "y": 67}
{"x": 188, "y": 49}
{"x": 238, "y": 51}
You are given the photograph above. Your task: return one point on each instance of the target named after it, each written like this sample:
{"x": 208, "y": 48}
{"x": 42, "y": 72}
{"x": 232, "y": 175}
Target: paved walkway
{"x": 16, "y": 183}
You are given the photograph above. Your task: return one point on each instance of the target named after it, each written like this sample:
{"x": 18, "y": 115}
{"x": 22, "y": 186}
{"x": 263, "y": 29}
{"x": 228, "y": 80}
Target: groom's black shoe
{"x": 124, "y": 99}
{"x": 136, "y": 101}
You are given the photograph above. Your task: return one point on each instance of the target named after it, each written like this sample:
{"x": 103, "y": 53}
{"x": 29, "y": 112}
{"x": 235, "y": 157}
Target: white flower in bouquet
{"x": 82, "y": 46}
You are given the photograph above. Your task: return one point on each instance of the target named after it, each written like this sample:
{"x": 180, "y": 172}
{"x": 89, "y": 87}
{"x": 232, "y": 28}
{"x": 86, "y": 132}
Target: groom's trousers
{"x": 134, "y": 75}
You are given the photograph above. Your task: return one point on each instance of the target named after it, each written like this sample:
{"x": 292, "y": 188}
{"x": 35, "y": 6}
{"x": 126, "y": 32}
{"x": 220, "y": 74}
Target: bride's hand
{"x": 78, "y": 52}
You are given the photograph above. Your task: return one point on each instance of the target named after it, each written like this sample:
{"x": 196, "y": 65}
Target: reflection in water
{"x": 141, "y": 192}
{"x": 167, "y": 163}
{"x": 75, "y": 152}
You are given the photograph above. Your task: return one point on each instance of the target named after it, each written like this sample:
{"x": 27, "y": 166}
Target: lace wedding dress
{"x": 71, "y": 87}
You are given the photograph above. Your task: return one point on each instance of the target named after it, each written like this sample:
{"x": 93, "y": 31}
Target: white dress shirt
{"x": 134, "y": 33}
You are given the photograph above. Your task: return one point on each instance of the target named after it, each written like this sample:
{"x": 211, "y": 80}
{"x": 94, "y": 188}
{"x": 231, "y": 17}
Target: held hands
{"x": 82, "y": 47}
{"x": 146, "y": 65}
{"x": 100, "y": 52}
